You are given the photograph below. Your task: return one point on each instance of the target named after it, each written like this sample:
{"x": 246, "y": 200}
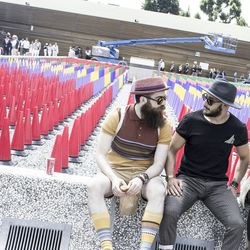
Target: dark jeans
{"x": 216, "y": 197}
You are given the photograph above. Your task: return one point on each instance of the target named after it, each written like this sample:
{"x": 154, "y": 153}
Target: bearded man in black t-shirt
{"x": 208, "y": 136}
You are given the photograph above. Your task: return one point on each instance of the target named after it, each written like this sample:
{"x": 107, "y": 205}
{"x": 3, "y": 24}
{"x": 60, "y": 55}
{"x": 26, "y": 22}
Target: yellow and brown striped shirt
{"x": 135, "y": 143}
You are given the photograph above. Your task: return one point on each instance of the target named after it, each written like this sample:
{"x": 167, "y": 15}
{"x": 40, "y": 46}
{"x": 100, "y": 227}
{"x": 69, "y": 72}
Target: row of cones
{"x": 69, "y": 102}
{"x": 67, "y": 148}
{"x": 29, "y": 132}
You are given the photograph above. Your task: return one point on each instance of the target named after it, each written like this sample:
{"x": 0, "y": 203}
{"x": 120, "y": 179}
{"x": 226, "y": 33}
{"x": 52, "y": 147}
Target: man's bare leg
{"x": 154, "y": 192}
{"x": 98, "y": 187}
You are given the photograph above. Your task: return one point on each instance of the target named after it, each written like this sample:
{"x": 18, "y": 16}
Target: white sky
{"x": 184, "y": 4}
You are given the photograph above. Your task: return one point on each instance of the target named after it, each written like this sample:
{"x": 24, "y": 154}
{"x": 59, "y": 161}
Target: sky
{"x": 184, "y": 4}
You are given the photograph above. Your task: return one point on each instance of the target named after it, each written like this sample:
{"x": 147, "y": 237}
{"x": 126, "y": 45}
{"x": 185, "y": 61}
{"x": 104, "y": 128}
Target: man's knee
{"x": 236, "y": 224}
{"x": 156, "y": 191}
{"x": 95, "y": 189}
{"x": 171, "y": 211}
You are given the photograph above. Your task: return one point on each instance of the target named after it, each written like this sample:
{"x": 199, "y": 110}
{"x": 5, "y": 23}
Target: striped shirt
{"x": 135, "y": 143}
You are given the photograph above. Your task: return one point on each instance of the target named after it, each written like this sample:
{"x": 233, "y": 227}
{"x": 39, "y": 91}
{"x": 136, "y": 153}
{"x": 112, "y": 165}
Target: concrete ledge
{"x": 31, "y": 194}
{"x": 62, "y": 198}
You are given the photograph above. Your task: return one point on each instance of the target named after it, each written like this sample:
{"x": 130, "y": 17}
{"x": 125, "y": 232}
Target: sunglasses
{"x": 159, "y": 100}
{"x": 210, "y": 101}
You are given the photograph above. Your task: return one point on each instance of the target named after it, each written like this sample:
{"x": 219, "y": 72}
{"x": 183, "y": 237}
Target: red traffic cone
{"x": 36, "y": 134}
{"x": 17, "y": 144}
{"x": 28, "y": 131}
{"x": 3, "y": 111}
{"x": 5, "y": 155}
{"x": 12, "y": 112}
{"x": 74, "y": 142}
{"x": 44, "y": 123}
{"x": 57, "y": 154}
{"x": 65, "y": 148}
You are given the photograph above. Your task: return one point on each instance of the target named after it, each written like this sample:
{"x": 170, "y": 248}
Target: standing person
{"x": 7, "y": 46}
{"x": 14, "y": 45}
{"x": 45, "y": 49}
{"x": 20, "y": 47}
{"x": 186, "y": 69}
{"x": 36, "y": 47}
{"x": 50, "y": 49}
{"x": 208, "y": 136}
{"x": 88, "y": 53}
{"x": 235, "y": 77}
{"x": 55, "y": 50}
{"x": 172, "y": 67}
{"x": 131, "y": 152}
{"x": 71, "y": 52}
{"x": 26, "y": 46}
{"x": 162, "y": 65}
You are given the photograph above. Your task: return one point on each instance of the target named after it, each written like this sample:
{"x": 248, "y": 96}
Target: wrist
{"x": 234, "y": 185}
{"x": 143, "y": 177}
{"x": 169, "y": 177}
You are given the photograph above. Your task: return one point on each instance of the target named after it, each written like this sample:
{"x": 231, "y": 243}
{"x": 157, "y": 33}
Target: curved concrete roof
{"x": 144, "y": 17}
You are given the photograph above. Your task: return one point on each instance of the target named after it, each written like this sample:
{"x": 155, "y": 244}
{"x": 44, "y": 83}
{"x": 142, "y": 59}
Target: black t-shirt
{"x": 208, "y": 146}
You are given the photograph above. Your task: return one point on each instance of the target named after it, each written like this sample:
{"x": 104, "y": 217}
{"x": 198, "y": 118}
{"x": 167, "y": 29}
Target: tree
{"x": 197, "y": 15}
{"x": 164, "y": 6}
{"x": 241, "y": 21}
{"x": 223, "y": 10}
{"x": 185, "y": 13}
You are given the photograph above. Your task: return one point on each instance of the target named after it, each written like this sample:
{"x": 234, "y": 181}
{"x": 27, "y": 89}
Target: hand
{"x": 174, "y": 187}
{"x": 116, "y": 184}
{"x": 134, "y": 186}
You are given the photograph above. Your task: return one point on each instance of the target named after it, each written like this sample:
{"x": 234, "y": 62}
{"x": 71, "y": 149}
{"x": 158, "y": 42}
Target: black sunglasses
{"x": 210, "y": 101}
{"x": 159, "y": 100}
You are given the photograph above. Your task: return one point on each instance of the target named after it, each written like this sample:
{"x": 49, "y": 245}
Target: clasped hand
{"x": 133, "y": 187}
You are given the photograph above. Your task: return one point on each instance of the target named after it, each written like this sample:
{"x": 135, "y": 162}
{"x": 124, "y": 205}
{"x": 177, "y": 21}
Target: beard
{"x": 213, "y": 113}
{"x": 153, "y": 116}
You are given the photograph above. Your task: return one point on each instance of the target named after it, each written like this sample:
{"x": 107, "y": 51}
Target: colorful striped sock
{"x": 150, "y": 226}
{"x": 102, "y": 225}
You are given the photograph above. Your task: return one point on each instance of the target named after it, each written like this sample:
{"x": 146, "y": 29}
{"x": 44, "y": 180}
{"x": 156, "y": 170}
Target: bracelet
{"x": 141, "y": 178}
{"x": 145, "y": 177}
{"x": 234, "y": 185}
{"x": 168, "y": 177}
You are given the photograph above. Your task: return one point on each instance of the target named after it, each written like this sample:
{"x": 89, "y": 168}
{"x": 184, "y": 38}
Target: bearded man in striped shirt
{"x": 131, "y": 152}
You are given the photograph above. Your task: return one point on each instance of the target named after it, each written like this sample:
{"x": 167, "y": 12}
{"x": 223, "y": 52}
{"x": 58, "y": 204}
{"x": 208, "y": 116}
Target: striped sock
{"x": 150, "y": 226}
{"x": 102, "y": 225}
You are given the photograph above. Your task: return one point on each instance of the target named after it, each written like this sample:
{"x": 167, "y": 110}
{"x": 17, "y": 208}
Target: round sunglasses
{"x": 210, "y": 101}
{"x": 159, "y": 100}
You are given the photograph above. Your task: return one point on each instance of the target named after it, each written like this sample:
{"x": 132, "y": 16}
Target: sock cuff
{"x": 101, "y": 220}
{"x": 151, "y": 216}
{"x": 166, "y": 247}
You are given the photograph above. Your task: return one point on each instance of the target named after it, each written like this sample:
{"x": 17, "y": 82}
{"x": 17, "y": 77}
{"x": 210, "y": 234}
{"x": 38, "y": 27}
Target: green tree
{"x": 197, "y": 15}
{"x": 164, "y": 6}
{"x": 223, "y": 10}
{"x": 241, "y": 21}
{"x": 185, "y": 13}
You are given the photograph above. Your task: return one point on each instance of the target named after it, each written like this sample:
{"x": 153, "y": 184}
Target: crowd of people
{"x": 136, "y": 144}
{"x": 11, "y": 45}
{"x": 194, "y": 70}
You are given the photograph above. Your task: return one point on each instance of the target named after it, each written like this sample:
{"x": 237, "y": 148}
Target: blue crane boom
{"x": 215, "y": 42}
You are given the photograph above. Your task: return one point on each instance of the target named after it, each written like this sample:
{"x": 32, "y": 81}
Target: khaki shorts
{"x": 127, "y": 174}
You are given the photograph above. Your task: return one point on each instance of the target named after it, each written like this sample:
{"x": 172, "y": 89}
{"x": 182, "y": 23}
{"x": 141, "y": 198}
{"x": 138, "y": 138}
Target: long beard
{"x": 214, "y": 113}
{"x": 153, "y": 117}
